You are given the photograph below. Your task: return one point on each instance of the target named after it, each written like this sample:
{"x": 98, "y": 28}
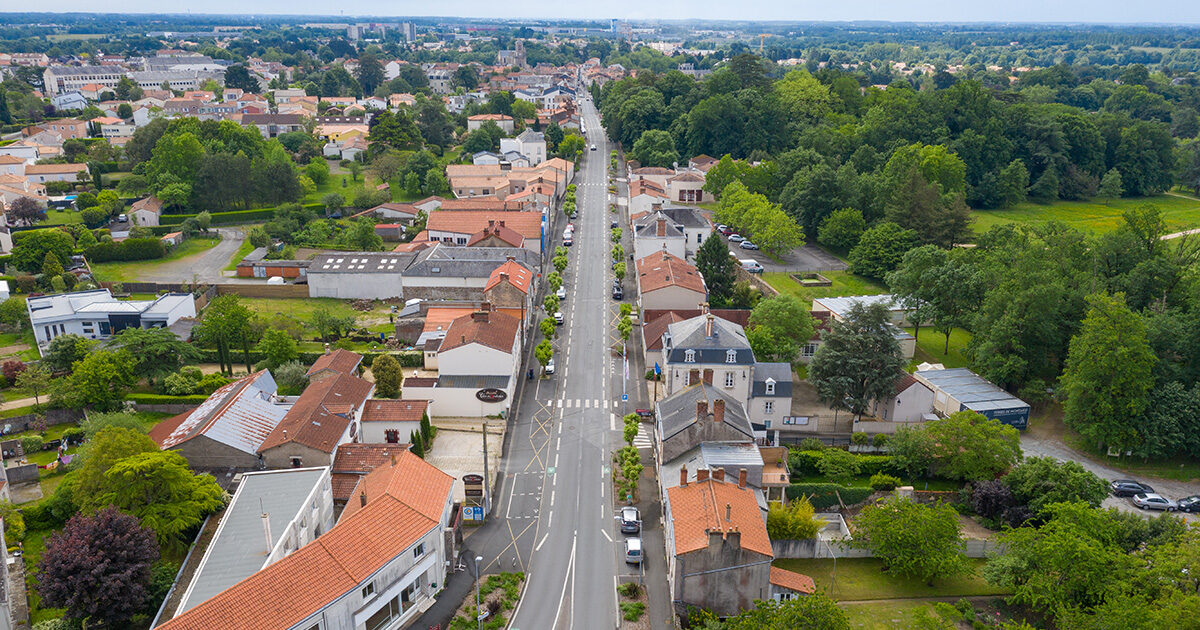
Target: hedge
{"x": 157, "y": 399}
{"x": 128, "y": 249}
{"x": 823, "y": 495}
{"x": 223, "y": 218}
{"x": 412, "y": 358}
{"x": 805, "y": 463}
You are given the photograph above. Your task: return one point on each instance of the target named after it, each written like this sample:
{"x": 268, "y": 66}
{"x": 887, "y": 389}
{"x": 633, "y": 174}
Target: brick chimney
{"x": 362, "y": 499}
{"x": 501, "y": 222}
{"x": 728, "y": 512}
{"x": 719, "y": 410}
{"x": 683, "y": 477}
{"x": 503, "y": 276}
{"x": 708, "y": 374}
{"x": 718, "y": 474}
{"x": 479, "y": 316}
{"x": 708, "y": 325}
{"x": 702, "y": 474}
{"x": 693, "y": 377}
{"x": 701, "y": 410}
{"x": 741, "y": 477}
{"x": 491, "y": 222}
{"x": 661, "y": 227}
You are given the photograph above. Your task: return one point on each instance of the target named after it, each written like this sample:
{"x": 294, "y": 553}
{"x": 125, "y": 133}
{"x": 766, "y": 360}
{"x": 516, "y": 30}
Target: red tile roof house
{"x": 226, "y": 430}
{"x": 355, "y": 461}
{"x": 378, "y": 567}
{"x": 718, "y": 552}
{"x": 325, "y": 416}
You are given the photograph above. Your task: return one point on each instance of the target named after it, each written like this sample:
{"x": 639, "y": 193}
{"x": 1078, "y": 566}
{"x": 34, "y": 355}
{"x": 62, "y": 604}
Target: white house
{"x": 657, "y": 234}
{"x": 96, "y": 314}
{"x": 528, "y": 143}
{"x": 910, "y": 401}
{"x": 477, "y": 362}
{"x": 146, "y": 212}
{"x": 391, "y": 421}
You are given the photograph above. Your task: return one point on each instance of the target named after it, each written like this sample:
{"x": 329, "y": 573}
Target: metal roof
{"x": 240, "y": 415}
{"x": 240, "y": 547}
{"x": 970, "y": 389}
{"x": 841, "y": 306}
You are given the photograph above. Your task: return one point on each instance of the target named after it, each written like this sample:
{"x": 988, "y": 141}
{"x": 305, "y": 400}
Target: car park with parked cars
{"x": 1128, "y": 487}
{"x": 747, "y": 245}
{"x": 1151, "y": 501}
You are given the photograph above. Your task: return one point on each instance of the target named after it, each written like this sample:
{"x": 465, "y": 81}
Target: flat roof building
{"x": 960, "y": 389}
{"x": 96, "y": 314}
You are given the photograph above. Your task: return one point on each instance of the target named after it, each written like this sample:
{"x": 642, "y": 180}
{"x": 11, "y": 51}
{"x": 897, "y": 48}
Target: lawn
{"x": 863, "y": 481}
{"x": 931, "y": 342}
{"x": 886, "y": 616}
{"x": 243, "y": 250}
{"x": 31, "y": 549}
{"x": 301, "y": 310}
{"x": 861, "y": 578}
{"x": 1092, "y": 216}
{"x": 129, "y": 271}
{"x": 60, "y": 217}
{"x": 844, "y": 284}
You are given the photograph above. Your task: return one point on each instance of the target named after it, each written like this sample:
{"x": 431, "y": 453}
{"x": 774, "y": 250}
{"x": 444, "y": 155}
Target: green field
{"x": 894, "y": 615}
{"x": 301, "y": 310}
{"x": 861, "y": 578}
{"x": 931, "y": 342}
{"x": 129, "y": 271}
{"x": 59, "y": 217}
{"x": 1093, "y": 216}
{"x": 844, "y": 284}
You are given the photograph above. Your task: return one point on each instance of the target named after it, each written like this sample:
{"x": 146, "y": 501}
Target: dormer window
{"x": 731, "y": 356}
{"x": 689, "y": 356}
{"x": 770, "y": 387}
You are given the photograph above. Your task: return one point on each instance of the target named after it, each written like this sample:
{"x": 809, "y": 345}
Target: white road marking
{"x": 570, "y": 567}
{"x": 605, "y": 532}
{"x": 543, "y": 541}
{"x": 552, "y": 498}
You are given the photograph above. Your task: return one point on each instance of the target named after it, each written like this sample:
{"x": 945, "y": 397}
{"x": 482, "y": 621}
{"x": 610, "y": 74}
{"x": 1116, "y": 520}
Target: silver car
{"x": 1151, "y": 501}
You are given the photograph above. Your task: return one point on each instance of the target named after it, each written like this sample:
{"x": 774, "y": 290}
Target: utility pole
{"x": 487, "y": 483}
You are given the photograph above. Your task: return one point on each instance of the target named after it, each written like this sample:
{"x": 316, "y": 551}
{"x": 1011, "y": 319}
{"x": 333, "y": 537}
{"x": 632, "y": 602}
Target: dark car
{"x": 1189, "y": 504}
{"x": 631, "y": 521}
{"x": 614, "y": 224}
{"x": 1128, "y": 487}
{"x": 726, "y": 232}
{"x": 618, "y": 292}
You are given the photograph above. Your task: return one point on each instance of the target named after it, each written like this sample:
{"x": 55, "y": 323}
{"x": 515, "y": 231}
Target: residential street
{"x": 204, "y": 267}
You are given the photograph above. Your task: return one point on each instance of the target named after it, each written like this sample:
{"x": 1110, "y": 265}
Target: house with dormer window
{"x": 711, "y": 349}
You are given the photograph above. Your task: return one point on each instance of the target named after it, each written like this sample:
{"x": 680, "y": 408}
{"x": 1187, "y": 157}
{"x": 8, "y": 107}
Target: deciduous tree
{"x": 914, "y": 540}
{"x": 160, "y": 489}
{"x": 156, "y": 352}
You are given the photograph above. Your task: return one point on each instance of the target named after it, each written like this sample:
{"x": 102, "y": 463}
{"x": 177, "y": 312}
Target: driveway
{"x": 1035, "y": 445}
{"x": 203, "y": 267}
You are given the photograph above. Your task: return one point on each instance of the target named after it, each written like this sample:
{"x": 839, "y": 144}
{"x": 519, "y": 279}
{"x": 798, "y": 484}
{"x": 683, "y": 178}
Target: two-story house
{"x": 710, "y": 346}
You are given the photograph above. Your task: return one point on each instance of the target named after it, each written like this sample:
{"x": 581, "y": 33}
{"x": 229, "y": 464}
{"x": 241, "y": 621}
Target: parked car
{"x": 631, "y": 521}
{"x": 736, "y": 238}
{"x": 618, "y": 292}
{"x": 633, "y": 550}
{"x": 593, "y": 147}
{"x": 1151, "y": 501}
{"x": 747, "y": 245}
{"x": 550, "y": 367}
{"x": 1128, "y": 487}
{"x": 615, "y": 224}
{"x": 558, "y": 318}
{"x": 725, "y": 231}
{"x": 561, "y": 293}
{"x": 1189, "y": 504}
{"x": 751, "y": 265}
{"x": 567, "y": 242}
{"x": 721, "y": 227}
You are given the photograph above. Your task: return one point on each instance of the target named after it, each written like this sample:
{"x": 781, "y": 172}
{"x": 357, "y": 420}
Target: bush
{"x": 880, "y": 440}
{"x": 794, "y": 521}
{"x": 858, "y": 438}
{"x": 11, "y": 368}
{"x": 226, "y": 218}
{"x": 178, "y": 385}
{"x": 32, "y": 444}
{"x": 62, "y": 623}
{"x": 155, "y": 399}
{"x": 882, "y": 482}
{"x": 128, "y": 249}
{"x": 812, "y": 444}
{"x": 823, "y": 495}
{"x": 632, "y": 611}
{"x": 805, "y": 463}
{"x": 74, "y": 435}
{"x": 629, "y": 589}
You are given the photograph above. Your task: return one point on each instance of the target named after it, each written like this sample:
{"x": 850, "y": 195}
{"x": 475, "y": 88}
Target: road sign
{"x": 624, "y": 397}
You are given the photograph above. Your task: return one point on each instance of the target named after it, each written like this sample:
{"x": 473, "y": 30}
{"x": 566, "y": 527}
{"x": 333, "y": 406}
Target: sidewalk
{"x": 458, "y": 586}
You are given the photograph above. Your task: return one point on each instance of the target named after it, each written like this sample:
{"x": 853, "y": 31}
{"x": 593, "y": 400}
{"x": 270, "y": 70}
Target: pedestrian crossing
{"x": 584, "y": 403}
{"x": 643, "y": 439}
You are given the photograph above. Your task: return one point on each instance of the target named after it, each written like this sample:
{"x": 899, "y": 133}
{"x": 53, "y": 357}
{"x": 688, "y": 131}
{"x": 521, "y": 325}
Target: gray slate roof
{"x": 678, "y": 411}
{"x": 780, "y": 372}
{"x": 689, "y": 334}
{"x": 466, "y": 262}
{"x": 681, "y": 215}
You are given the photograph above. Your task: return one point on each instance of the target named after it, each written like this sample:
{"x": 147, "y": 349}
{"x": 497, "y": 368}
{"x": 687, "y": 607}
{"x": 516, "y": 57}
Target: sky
{"x": 1094, "y": 11}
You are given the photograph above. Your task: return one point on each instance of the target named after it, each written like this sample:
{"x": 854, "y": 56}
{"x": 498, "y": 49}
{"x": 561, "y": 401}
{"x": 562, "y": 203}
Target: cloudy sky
{"x": 1120, "y": 11}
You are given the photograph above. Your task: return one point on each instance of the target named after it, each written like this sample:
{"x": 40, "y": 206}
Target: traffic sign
{"x": 624, "y": 397}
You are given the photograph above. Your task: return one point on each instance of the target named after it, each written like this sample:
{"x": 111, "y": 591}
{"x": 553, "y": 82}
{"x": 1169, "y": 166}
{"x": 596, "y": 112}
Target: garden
{"x": 498, "y": 595}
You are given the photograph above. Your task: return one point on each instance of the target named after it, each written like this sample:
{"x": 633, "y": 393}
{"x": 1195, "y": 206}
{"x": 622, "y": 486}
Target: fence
{"x": 819, "y": 548}
{"x": 17, "y": 424}
{"x": 264, "y": 290}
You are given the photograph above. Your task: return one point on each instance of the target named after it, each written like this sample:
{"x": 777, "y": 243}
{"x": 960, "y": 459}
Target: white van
{"x": 751, "y": 265}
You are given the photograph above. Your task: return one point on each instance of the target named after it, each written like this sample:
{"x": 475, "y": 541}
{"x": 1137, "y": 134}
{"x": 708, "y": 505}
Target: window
{"x": 391, "y": 436}
{"x": 808, "y": 350}
{"x": 689, "y": 356}
{"x": 769, "y": 406}
{"x": 419, "y": 550}
{"x": 368, "y": 590}
{"x": 728, "y": 380}
{"x": 770, "y": 387}
{"x": 731, "y": 356}
{"x": 297, "y": 462}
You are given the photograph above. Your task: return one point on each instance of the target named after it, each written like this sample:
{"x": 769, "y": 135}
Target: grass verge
{"x": 1091, "y": 216}
{"x": 128, "y": 271}
{"x": 844, "y": 284}
{"x": 862, "y": 578}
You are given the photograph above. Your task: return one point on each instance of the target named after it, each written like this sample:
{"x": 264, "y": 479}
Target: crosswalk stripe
{"x": 597, "y": 404}
{"x": 587, "y": 404}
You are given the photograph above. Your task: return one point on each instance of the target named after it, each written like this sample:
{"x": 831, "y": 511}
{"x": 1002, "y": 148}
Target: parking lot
{"x": 809, "y": 257}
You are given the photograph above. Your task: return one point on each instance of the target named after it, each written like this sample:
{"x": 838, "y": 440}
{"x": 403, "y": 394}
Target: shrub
{"x": 990, "y": 499}
{"x": 154, "y": 399}
{"x": 812, "y": 444}
{"x": 882, "y": 482}
{"x": 11, "y": 368}
{"x": 858, "y": 438}
{"x": 794, "y": 521}
{"x": 629, "y": 589}
{"x": 823, "y": 495}
{"x": 210, "y": 383}
{"x": 838, "y": 465}
{"x": 32, "y": 444}
{"x": 178, "y": 385}
{"x": 632, "y": 611}
{"x": 880, "y": 440}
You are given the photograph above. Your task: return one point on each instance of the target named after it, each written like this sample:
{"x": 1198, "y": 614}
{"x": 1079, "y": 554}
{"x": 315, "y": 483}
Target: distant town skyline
{"x": 1026, "y": 11}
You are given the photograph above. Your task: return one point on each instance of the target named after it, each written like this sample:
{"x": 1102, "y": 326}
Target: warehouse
{"x": 960, "y": 389}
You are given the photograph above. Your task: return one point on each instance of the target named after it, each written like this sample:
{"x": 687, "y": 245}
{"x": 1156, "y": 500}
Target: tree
{"x": 794, "y": 521}
{"x": 292, "y": 378}
{"x": 51, "y": 266}
{"x": 412, "y": 184}
{"x": 34, "y": 381}
{"x": 128, "y": 90}
{"x": 355, "y": 169}
{"x": 880, "y": 249}
{"x": 624, "y": 328}
{"x": 26, "y": 211}
{"x": 330, "y": 325}
{"x": 1013, "y": 183}
{"x": 655, "y": 148}
{"x": 571, "y": 147}
{"x": 370, "y": 72}
{"x": 385, "y": 369}
{"x": 842, "y": 228}
{"x": 277, "y": 347}
{"x": 544, "y": 352}
{"x": 361, "y": 236}
{"x": 99, "y": 381}
{"x": 466, "y": 77}
{"x": 1045, "y": 189}
{"x": 394, "y": 130}
{"x": 156, "y": 352}
{"x": 717, "y": 268}
{"x": 619, "y": 271}
{"x": 64, "y": 351}
{"x": 1110, "y": 185}
{"x": 913, "y": 540}
{"x": 778, "y": 327}
{"x": 859, "y": 360}
{"x": 160, "y": 489}
{"x": 1039, "y": 482}
{"x": 238, "y": 77}
{"x": 98, "y": 568}
{"x": 548, "y": 327}
{"x": 30, "y": 248}
{"x": 435, "y": 181}
{"x": 838, "y": 465}
{"x": 967, "y": 446}
{"x": 1108, "y": 373}
{"x": 810, "y": 612}
{"x": 224, "y": 326}
{"x": 108, "y": 446}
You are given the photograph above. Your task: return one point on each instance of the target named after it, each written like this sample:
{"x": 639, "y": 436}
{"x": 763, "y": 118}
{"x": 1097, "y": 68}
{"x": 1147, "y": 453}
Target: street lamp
{"x": 478, "y": 612}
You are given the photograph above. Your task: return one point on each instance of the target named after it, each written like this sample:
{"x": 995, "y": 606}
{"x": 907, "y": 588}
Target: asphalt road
{"x": 203, "y": 267}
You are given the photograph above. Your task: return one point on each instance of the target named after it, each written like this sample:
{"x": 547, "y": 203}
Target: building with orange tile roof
{"x": 457, "y": 228}
{"x": 669, "y": 282}
{"x": 355, "y": 461}
{"x": 391, "y": 421}
{"x": 378, "y": 567}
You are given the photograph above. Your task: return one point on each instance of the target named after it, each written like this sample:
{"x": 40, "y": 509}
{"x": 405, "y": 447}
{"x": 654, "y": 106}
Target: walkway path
{"x": 203, "y": 267}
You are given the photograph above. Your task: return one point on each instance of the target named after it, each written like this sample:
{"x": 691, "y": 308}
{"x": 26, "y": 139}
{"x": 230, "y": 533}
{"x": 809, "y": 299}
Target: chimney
{"x": 702, "y": 474}
{"x": 728, "y": 512}
{"x": 463, "y": 339}
{"x": 708, "y": 377}
{"x": 485, "y": 306}
{"x": 393, "y": 458}
{"x": 491, "y": 222}
{"x": 719, "y": 410}
{"x": 501, "y": 222}
{"x": 741, "y": 477}
{"x": 511, "y": 258}
{"x": 701, "y": 410}
{"x": 285, "y": 434}
{"x": 683, "y": 477}
{"x": 708, "y": 325}
{"x": 693, "y": 377}
{"x": 718, "y": 474}
{"x": 266, "y": 521}
{"x": 362, "y": 499}
{"x": 326, "y": 347}
{"x": 704, "y": 308}
{"x": 479, "y": 316}
{"x": 504, "y": 276}
{"x": 661, "y": 227}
